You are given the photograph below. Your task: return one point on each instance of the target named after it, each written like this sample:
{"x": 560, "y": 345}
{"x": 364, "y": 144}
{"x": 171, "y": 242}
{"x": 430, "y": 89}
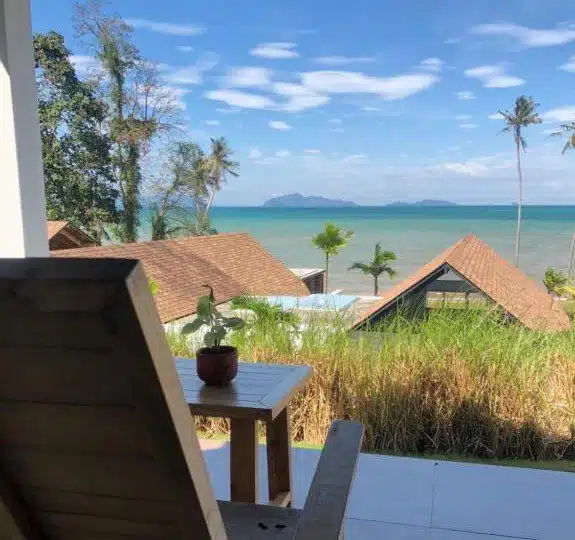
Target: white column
{"x": 22, "y": 204}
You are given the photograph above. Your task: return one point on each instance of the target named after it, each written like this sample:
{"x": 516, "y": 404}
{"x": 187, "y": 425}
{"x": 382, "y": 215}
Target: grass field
{"x": 459, "y": 384}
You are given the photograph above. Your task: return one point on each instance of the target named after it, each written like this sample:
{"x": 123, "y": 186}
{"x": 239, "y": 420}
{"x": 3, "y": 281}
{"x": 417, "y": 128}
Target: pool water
{"x": 333, "y": 302}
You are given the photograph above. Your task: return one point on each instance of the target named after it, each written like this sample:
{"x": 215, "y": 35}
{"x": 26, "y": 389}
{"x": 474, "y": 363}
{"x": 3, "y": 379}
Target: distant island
{"x": 297, "y": 200}
{"x": 424, "y": 202}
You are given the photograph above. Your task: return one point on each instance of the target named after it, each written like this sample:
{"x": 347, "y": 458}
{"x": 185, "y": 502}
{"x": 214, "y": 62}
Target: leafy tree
{"x": 331, "y": 240}
{"x": 380, "y": 264}
{"x": 568, "y": 132}
{"x": 524, "y": 114}
{"x": 76, "y": 152}
{"x": 218, "y": 165}
{"x": 186, "y": 179}
{"x": 140, "y": 106}
{"x": 555, "y": 281}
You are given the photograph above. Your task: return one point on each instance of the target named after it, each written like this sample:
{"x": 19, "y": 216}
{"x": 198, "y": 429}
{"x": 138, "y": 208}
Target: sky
{"x": 366, "y": 101}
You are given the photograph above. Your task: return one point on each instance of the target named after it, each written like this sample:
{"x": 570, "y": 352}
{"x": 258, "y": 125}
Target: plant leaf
{"x": 195, "y": 325}
{"x": 234, "y": 322}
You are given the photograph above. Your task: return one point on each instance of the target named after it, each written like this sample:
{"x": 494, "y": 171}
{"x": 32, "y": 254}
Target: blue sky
{"x": 369, "y": 101}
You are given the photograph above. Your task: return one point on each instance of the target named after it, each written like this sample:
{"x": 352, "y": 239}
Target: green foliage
{"x": 568, "y": 132}
{"x": 331, "y": 240}
{"x": 153, "y": 286}
{"x": 523, "y": 114}
{"x": 380, "y": 264}
{"x": 555, "y": 281}
{"x": 453, "y": 382}
{"x": 264, "y": 312}
{"x": 78, "y": 174}
{"x": 208, "y": 316}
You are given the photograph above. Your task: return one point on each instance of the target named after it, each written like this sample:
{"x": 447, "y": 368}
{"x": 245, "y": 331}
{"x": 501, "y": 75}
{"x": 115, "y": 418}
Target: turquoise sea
{"x": 415, "y": 234}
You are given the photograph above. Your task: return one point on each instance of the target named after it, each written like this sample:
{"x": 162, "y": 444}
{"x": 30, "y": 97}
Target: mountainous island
{"x": 297, "y": 200}
{"x": 424, "y": 202}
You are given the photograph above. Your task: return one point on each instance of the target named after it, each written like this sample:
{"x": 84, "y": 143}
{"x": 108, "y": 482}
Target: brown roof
{"x": 506, "y": 285}
{"x": 63, "y": 235}
{"x": 233, "y": 264}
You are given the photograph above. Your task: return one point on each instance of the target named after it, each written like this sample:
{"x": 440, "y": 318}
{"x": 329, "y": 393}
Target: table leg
{"x": 279, "y": 459}
{"x": 244, "y": 461}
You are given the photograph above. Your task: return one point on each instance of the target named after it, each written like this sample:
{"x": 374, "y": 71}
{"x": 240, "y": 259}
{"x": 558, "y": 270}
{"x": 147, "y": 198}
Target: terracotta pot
{"x": 217, "y": 366}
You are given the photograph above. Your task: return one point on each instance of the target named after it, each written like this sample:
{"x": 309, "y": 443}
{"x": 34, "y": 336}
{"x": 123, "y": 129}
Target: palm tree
{"x": 377, "y": 266}
{"x": 568, "y": 131}
{"x": 330, "y": 241}
{"x": 523, "y": 115}
{"x": 219, "y": 165}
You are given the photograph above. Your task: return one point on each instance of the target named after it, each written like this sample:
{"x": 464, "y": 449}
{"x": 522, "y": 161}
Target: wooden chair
{"x": 96, "y": 438}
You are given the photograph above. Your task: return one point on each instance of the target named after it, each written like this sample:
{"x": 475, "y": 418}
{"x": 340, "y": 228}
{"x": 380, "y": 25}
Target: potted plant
{"x": 216, "y": 364}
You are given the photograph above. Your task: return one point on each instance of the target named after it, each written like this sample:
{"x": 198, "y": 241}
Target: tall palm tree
{"x": 330, "y": 241}
{"x": 524, "y": 114}
{"x": 377, "y": 266}
{"x": 218, "y": 166}
{"x": 568, "y": 131}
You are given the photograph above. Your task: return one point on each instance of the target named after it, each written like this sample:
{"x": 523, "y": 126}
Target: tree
{"x": 568, "y": 131}
{"x": 218, "y": 166}
{"x": 554, "y": 280}
{"x": 524, "y": 114}
{"x": 330, "y": 241}
{"x": 185, "y": 179}
{"x": 140, "y": 106}
{"x": 76, "y": 152}
{"x": 377, "y": 266}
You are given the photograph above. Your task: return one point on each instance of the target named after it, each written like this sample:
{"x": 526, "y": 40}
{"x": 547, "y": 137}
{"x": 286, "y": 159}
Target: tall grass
{"x": 458, "y": 382}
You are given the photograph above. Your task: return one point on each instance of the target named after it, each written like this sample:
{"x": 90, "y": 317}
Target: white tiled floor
{"x": 397, "y": 498}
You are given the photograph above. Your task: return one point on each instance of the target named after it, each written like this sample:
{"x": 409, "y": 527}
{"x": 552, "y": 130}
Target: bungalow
{"x": 63, "y": 235}
{"x": 233, "y": 264}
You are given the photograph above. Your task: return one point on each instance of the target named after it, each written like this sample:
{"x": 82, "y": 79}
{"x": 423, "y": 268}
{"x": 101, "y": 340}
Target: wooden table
{"x": 259, "y": 392}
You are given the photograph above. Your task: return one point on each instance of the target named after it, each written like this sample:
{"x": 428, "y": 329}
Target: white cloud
{"x": 560, "y": 114}
{"x": 212, "y": 122}
{"x": 495, "y": 116}
{"x": 404, "y": 156}
{"x": 85, "y": 65}
{"x": 191, "y": 74}
{"x": 468, "y": 126}
{"x": 347, "y": 82}
{"x": 312, "y": 151}
{"x": 283, "y": 153}
{"x": 335, "y": 121}
{"x": 528, "y": 37}
{"x": 463, "y": 117}
{"x": 343, "y": 60}
{"x": 236, "y": 98}
{"x": 167, "y": 28}
{"x": 279, "y": 125}
{"x": 352, "y": 158}
{"x": 302, "y": 103}
{"x": 371, "y": 109}
{"x": 255, "y": 153}
{"x": 338, "y": 130}
{"x": 467, "y": 168}
{"x": 452, "y": 41}
{"x": 465, "y": 95}
{"x": 432, "y": 64}
{"x": 277, "y": 50}
{"x": 248, "y": 76}
{"x": 493, "y": 77}
{"x": 569, "y": 65}
{"x": 185, "y": 48}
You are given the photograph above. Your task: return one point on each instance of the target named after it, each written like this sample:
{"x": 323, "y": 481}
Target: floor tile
{"x": 507, "y": 501}
{"x": 442, "y": 534}
{"x": 358, "y": 529}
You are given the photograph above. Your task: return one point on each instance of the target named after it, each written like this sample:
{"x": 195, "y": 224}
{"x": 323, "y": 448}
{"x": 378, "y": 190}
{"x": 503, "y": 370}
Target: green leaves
{"x": 216, "y": 324}
{"x": 332, "y": 239}
{"x": 380, "y": 264}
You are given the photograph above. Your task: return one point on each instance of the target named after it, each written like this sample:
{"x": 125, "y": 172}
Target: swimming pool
{"x": 333, "y": 302}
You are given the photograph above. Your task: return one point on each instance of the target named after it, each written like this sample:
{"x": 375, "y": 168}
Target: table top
{"x": 260, "y": 391}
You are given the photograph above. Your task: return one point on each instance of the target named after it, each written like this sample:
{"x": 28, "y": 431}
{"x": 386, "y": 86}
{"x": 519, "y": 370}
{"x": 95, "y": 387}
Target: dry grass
{"x": 454, "y": 383}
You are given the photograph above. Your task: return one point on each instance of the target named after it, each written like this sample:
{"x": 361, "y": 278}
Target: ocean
{"x": 415, "y": 234}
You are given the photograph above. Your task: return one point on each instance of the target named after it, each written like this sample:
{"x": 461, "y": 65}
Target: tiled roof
{"x": 233, "y": 264}
{"x": 63, "y": 235}
{"x": 54, "y": 227}
{"x": 506, "y": 285}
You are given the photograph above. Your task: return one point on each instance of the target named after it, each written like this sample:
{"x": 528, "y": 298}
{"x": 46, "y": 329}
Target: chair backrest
{"x": 96, "y": 438}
